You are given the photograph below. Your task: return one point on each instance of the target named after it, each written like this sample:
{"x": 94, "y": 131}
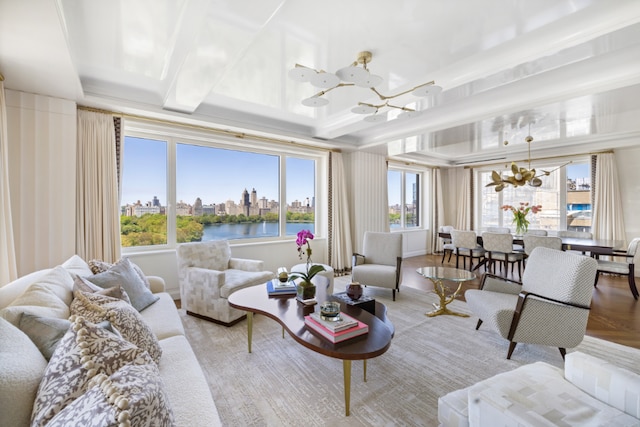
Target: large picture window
{"x": 143, "y": 220}
{"x": 565, "y": 197}
{"x": 404, "y": 198}
{"x": 179, "y": 189}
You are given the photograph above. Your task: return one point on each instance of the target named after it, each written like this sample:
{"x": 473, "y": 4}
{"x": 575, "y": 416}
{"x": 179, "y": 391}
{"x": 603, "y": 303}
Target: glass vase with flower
{"x": 520, "y": 215}
{"x": 305, "y": 289}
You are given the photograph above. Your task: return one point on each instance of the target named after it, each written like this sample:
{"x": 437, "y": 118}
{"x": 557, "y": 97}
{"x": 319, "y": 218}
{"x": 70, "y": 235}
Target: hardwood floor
{"x": 615, "y": 315}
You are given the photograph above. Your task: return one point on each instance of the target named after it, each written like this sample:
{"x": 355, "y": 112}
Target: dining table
{"x": 595, "y": 247}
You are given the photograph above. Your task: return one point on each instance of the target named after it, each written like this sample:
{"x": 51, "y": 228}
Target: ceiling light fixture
{"x": 520, "y": 176}
{"x": 354, "y": 75}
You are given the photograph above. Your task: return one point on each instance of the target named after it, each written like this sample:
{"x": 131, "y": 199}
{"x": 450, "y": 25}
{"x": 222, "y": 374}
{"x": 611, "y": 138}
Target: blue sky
{"x": 214, "y": 175}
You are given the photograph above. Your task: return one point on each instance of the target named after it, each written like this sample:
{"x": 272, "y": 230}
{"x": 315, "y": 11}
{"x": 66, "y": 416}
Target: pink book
{"x": 336, "y": 337}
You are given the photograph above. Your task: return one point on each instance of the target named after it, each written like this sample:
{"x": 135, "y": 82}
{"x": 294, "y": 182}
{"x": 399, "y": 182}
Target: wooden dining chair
{"x": 623, "y": 268}
{"x": 466, "y": 244}
{"x": 499, "y": 249}
{"x": 447, "y": 244}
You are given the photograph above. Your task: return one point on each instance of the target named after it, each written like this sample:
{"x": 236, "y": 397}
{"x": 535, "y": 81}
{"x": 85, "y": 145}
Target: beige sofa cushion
{"x": 183, "y": 379}
{"x": 22, "y": 366}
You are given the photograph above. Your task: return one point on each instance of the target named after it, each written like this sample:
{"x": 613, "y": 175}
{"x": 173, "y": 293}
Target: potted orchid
{"x": 520, "y": 215}
{"x": 306, "y": 289}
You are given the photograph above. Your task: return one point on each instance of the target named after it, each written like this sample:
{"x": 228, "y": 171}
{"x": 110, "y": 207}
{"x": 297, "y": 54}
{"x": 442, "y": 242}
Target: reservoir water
{"x": 251, "y": 230}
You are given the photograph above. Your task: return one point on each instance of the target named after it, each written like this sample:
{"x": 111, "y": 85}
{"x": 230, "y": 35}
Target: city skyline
{"x": 212, "y": 174}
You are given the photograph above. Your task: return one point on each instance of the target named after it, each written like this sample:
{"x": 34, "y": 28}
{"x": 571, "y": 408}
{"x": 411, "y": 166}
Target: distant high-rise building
{"x": 156, "y": 201}
{"x": 197, "y": 207}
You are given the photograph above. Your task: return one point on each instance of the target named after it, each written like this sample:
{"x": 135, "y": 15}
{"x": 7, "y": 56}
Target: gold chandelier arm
{"x": 322, "y": 92}
{"x": 385, "y": 97}
{"x": 304, "y": 66}
{"x": 372, "y": 105}
{"x": 398, "y": 107}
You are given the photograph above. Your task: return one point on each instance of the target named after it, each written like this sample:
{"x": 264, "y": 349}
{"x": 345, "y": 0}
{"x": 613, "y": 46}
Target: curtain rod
{"x": 568, "y": 156}
{"x": 227, "y": 132}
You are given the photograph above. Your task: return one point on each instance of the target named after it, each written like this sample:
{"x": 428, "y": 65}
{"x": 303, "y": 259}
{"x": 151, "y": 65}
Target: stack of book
{"x": 275, "y": 288}
{"x": 338, "y": 331}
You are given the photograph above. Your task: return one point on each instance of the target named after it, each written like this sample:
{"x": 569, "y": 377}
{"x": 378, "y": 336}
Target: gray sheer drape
{"x": 8, "y": 266}
{"x": 608, "y": 221}
{"x": 437, "y": 219}
{"x": 98, "y": 224}
{"x": 340, "y": 248}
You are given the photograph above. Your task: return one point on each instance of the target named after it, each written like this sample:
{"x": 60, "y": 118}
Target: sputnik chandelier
{"x": 356, "y": 75}
{"x": 520, "y": 176}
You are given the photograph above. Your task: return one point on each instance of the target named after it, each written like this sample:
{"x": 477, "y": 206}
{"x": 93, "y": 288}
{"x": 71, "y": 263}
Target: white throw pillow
{"x": 50, "y": 296}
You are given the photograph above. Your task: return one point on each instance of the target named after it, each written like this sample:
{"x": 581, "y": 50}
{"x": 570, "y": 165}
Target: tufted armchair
{"x": 550, "y": 307}
{"x": 207, "y": 275}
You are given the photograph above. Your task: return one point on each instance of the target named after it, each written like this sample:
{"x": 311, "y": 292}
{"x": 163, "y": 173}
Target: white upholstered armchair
{"x": 208, "y": 275}
{"x": 379, "y": 264}
{"x": 550, "y": 307}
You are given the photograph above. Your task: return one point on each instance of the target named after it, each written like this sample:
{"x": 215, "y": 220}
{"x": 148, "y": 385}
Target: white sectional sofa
{"x": 589, "y": 392}
{"x": 22, "y": 364}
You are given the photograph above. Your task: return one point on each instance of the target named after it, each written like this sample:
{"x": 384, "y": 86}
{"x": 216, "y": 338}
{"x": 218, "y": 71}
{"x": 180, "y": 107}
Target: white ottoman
{"x": 328, "y": 273}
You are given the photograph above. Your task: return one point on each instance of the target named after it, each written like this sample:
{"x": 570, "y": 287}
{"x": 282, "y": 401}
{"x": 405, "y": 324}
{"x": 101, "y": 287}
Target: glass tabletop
{"x": 446, "y": 273}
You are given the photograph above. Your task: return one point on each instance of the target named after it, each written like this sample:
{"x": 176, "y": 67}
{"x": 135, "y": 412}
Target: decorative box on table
{"x": 364, "y": 302}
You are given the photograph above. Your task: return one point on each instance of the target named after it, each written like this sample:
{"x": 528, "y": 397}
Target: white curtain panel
{"x": 463, "y": 206}
{"x": 98, "y": 224}
{"x": 341, "y": 249}
{"x": 437, "y": 203}
{"x": 608, "y": 220}
{"x": 8, "y": 267}
{"x": 370, "y": 202}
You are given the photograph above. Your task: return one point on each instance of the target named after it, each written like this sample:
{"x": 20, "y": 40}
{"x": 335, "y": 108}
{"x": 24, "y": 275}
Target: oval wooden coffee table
{"x": 289, "y": 313}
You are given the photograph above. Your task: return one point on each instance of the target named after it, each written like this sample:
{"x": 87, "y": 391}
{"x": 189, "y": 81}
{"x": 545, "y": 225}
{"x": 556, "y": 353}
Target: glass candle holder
{"x": 330, "y": 311}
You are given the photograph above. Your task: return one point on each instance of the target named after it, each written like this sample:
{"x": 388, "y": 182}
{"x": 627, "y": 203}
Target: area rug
{"x": 282, "y": 383}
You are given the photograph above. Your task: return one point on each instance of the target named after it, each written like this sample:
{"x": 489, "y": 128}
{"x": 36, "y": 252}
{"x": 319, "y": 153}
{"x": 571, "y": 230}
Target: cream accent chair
{"x": 550, "y": 307}
{"x": 380, "y": 262}
{"x": 207, "y": 275}
{"x": 626, "y": 268}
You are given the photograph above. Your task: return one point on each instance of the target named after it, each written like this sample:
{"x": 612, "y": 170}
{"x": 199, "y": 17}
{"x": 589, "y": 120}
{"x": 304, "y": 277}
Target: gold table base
{"x": 441, "y": 290}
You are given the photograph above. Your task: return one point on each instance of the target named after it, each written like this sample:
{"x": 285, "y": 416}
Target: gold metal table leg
{"x": 364, "y": 367}
{"x": 346, "y": 367}
{"x": 441, "y": 291}
{"x": 249, "y": 329}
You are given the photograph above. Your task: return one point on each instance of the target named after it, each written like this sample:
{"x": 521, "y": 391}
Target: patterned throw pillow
{"x": 83, "y": 352}
{"x": 123, "y": 274}
{"x": 83, "y": 285}
{"x": 98, "y": 266}
{"x": 134, "y": 395}
{"x": 123, "y": 317}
